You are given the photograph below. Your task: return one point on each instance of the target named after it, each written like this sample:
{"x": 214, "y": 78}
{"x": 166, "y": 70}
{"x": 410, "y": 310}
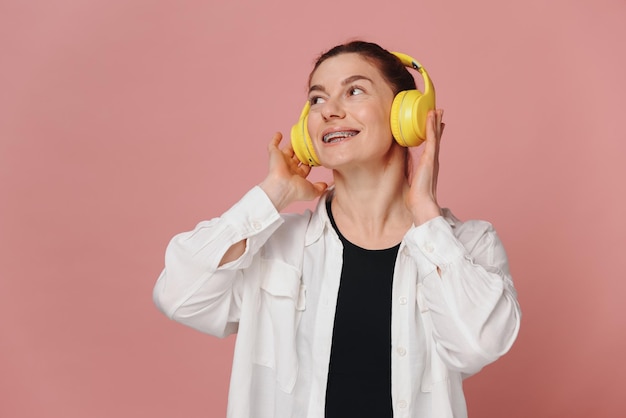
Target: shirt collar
{"x": 319, "y": 220}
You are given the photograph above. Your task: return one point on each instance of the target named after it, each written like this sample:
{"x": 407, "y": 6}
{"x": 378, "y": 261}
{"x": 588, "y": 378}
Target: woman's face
{"x": 349, "y": 116}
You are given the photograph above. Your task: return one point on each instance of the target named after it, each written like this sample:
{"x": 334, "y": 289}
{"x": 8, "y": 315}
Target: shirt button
{"x": 402, "y": 404}
{"x": 401, "y": 351}
{"x": 256, "y": 225}
{"x": 403, "y": 300}
{"x": 429, "y": 247}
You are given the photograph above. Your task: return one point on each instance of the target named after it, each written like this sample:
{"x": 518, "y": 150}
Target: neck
{"x": 368, "y": 205}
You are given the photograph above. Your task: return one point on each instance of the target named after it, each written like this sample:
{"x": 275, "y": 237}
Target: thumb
{"x": 320, "y": 186}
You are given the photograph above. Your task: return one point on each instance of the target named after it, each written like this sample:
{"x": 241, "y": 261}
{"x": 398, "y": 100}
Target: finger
{"x": 288, "y": 151}
{"x": 305, "y": 169}
{"x": 439, "y": 123}
{"x": 320, "y": 186}
{"x": 440, "y": 128}
{"x": 276, "y": 140}
{"x": 431, "y": 134}
{"x": 434, "y": 121}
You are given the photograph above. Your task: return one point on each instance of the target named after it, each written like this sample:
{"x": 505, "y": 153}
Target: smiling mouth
{"x": 332, "y": 137}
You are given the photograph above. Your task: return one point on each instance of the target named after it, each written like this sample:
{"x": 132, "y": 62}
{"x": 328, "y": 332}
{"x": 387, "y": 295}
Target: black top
{"x": 359, "y": 377}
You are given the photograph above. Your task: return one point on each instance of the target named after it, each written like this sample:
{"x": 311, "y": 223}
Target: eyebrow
{"x": 348, "y": 80}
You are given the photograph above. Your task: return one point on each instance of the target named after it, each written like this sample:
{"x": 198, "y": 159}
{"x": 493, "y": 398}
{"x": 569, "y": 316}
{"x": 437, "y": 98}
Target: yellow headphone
{"x": 409, "y": 111}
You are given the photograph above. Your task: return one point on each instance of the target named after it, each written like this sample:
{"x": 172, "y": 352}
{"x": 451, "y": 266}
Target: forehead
{"x": 340, "y": 67}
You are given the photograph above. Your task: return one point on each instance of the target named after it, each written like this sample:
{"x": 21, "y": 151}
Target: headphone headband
{"x": 407, "y": 60}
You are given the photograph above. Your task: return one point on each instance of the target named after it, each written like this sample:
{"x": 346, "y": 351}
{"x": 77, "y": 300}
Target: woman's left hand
{"x": 422, "y": 196}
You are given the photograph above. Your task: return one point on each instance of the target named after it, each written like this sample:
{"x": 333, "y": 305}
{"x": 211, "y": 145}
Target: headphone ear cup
{"x": 394, "y": 118}
{"x": 301, "y": 140}
{"x": 409, "y": 112}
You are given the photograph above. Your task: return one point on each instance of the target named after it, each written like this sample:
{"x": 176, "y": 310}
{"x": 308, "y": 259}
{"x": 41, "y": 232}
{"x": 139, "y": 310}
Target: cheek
{"x": 312, "y": 127}
{"x": 384, "y": 121}
{"x": 311, "y": 122}
{"x": 380, "y": 113}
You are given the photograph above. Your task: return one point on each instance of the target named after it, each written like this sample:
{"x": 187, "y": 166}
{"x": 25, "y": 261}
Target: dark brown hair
{"x": 390, "y": 66}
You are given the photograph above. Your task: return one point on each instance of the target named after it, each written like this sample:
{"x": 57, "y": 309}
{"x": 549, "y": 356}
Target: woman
{"x": 376, "y": 304}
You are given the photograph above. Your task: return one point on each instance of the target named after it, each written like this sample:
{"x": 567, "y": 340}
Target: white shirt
{"x": 280, "y": 297}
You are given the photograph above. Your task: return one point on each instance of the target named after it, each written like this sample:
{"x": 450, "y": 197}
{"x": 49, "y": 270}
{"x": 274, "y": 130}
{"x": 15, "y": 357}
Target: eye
{"x": 355, "y": 90}
{"x": 313, "y": 100}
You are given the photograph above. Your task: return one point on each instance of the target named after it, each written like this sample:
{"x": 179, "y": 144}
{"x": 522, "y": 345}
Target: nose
{"x": 332, "y": 109}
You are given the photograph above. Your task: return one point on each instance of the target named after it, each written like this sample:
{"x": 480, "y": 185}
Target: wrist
{"x": 424, "y": 215}
{"x": 277, "y": 192}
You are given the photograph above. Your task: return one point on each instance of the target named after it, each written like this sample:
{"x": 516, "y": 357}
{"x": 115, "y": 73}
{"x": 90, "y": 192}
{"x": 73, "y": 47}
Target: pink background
{"x": 125, "y": 122}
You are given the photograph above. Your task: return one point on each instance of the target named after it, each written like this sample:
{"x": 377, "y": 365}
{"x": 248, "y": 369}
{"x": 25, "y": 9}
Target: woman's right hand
{"x": 286, "y": 181}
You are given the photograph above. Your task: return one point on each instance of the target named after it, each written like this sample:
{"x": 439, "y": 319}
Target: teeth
{"x": 338, "y": 136}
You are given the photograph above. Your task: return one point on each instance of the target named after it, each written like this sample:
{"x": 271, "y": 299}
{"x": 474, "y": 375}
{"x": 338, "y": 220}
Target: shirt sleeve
{"x": 192, "y": 289}
{"x": 469, "y": 293}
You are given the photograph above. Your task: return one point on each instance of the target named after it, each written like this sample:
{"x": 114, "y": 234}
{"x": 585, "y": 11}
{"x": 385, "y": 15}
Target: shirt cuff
{"x": 435, "y": 239}
{"x": 254, "y": 213}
